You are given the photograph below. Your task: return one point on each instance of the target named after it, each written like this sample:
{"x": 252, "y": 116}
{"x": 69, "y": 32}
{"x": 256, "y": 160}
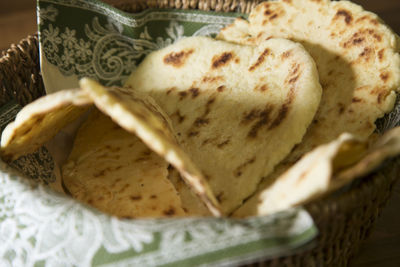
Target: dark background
{"x": 18, "y": 19}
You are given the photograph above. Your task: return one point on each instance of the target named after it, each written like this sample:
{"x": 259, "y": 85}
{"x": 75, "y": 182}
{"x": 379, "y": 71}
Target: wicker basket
{"x": 343, "y": 221}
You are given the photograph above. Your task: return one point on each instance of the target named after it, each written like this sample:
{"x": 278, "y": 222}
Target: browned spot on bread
{"x": 177, "y": 59}
{"x": 224, "y": 143}
{"x": 262, "y": 121}
{"x": 221, "y": 60}
{"x": 141, "y": 159}
{"x": 169, "y": 212}
{"x": 170, "y": 90}
{"x": 294, "y": 79}
{"x": 153, "y": 196}
{"x": 182, "y": 94}
{"x": 206, "y": 141}
{"x": 380, "y": 93}
{"x": 179, "y": 116}
{"x": 341, "y": 109}
{"x": 381, "y": 54}
{"x": 286, "y": 54}
{"x": 368, "y": 32}
{"x": 281, "y": 116}
{"x": 384, "y": 76}
{"x": 274, "y": 16}
{"x": 201, "y": 122}
{"x": 192, "y": 133}
{"x": 354, "y": 41}
{"x": 123, "y": 189}
{"x": 144, "y": 155}
{"x": 147, "y": 152}
{"x": 369, "y": 19}
{"x": 260, "y": 59}
{"x": 113, "y": 149}
{"x": 345, "y": 14}
{"x": 131, "y": 145}
{"x": 221, "y": 88}
{"x": 374, "y": 21}
{"x": 250, "y": 116}
{"x": 382, "y": 96}
{"x": 194, "y": 91}
{"x": 356, "y": 100}
{"x": 271, "y": 14}
{"x": 362, "y": 88}
{"x": 295, "y": 68}
{"x": 367, "y": 53}
{"x": 219, "y": 197}
{"x": 101, "y": 172}
{"x": 210, "y": 101}
{"x": 360, "y": 36}
{"x": 282, "y": 113}
{"x": 377, "y": 36}
{"x": 267, "y": 12}
{"x": 133, "y": 198}
{"x": 239, "y": 170}
{"x": 211, "y": 79}
{"x": 261, "y": 88}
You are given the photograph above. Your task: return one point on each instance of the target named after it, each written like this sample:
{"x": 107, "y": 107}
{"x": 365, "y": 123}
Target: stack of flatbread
{"x": 277, "y": 111}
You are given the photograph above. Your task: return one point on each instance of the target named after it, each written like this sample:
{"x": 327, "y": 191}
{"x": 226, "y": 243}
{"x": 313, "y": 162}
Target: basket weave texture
{"x": 344, "y": 220}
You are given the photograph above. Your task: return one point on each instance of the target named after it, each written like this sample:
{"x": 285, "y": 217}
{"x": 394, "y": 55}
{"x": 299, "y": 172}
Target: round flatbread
{"x": 357, "y": 59}
{"x": 140, "y": 115}
{"x": 232, "y": 106}
{"x": 323, "y": 170}
{"x": 114, "y": 171}
{"x": 356, "y": 55}
{"x": 40, "y": 121}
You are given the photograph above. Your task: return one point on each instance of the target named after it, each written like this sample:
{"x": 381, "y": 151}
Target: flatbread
{"x": 140, "y": 115}
{"x": 40, "y": 121}
{"x": 387, "y": 146}
{"x": 113, "y": 170}
{"x": 357, "y": 59}
{"x": 356, "y": 55}
{"x": 309, "y": 178}
{"x": 231, "y": 106}
{"x": 323, "y": 170}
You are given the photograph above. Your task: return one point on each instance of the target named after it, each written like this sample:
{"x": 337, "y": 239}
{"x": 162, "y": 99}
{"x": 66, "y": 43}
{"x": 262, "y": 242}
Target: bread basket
{"x": 344, "y": 220}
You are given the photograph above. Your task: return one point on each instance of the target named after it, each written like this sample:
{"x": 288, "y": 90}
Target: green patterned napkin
{"x": 86, "y": 38}
{"x": 39, "y": 227}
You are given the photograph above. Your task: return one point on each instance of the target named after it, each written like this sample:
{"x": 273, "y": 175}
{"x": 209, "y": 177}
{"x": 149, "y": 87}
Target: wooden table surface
{"x": 18, "y": 19}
